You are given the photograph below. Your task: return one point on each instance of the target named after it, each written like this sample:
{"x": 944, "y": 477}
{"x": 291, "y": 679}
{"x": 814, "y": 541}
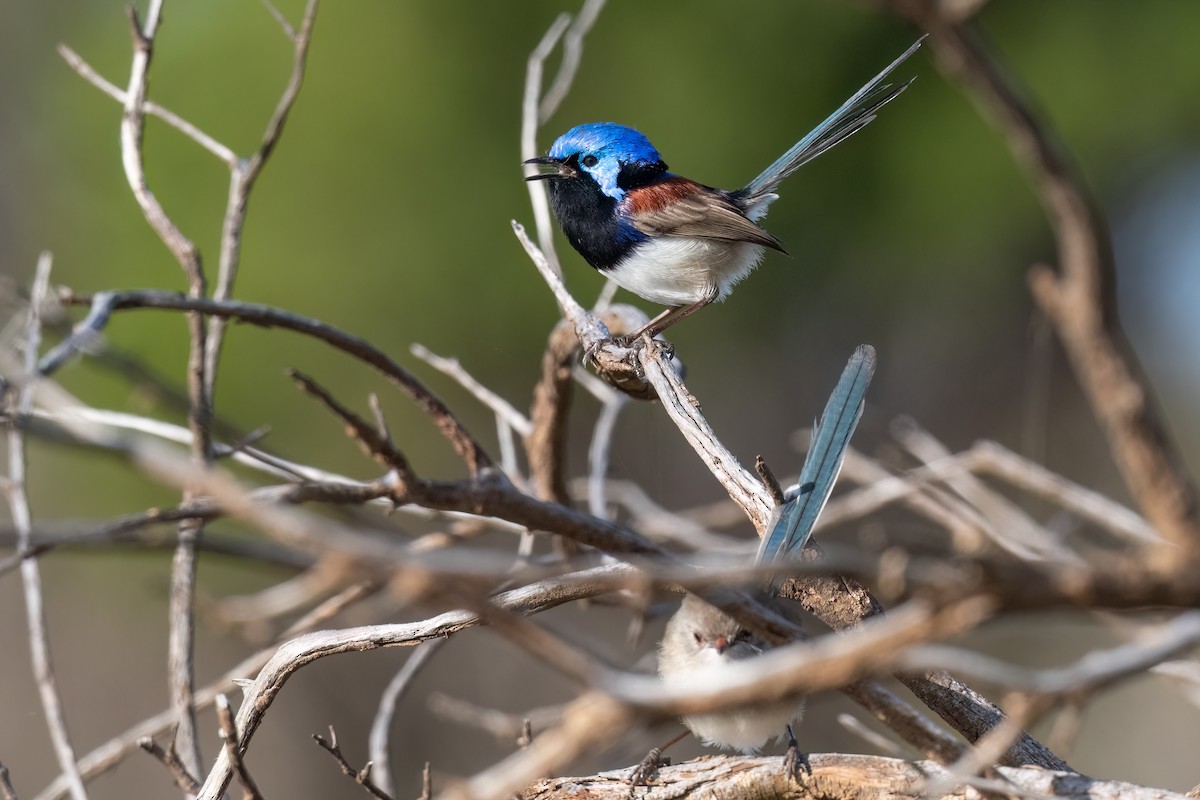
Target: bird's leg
{"x": 672, "y": 315}
{"x": 796, "y": 763}
{"x": 644, "y": 771}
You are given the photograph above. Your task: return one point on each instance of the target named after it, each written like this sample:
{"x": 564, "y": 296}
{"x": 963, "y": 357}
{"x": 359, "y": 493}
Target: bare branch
{"x": 529, "y": 126}
{"x": 360, "y": 776}
{"x": 105, "y": 303}
{"x": 85, "y": 70}
{"x": 1096, "y": 670}
{"x": 546, "y": 440}
{"x": 372, "y": 441}
{"x": 169, "y": 758}
{"x": 243, "y": 175}
{"x": 1018, "y": 533}
{"x": 988, "y": 457}
{"x": 18, "y": 503}
{"x": 229, "y": 735}
{"x": 504, "y": 727}
{"x": 451, "y": 366}
{"x": 378, "y": 740}
{"x": 180, "y": 668}
{"x": 572, "y": 47}
{"x": 612, "y": 402}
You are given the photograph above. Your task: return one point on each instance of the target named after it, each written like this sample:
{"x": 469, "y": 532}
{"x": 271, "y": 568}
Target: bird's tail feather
{"x": 830, "y": 439}
{"x": 850, "y": 118}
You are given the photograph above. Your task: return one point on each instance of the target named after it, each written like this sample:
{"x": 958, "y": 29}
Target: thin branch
{"x": 908, "y": 723}
{"x": 546, "y": 440}
{"x": 360, "y": 776}
{"x": 612, "y": 402}
{"x": 180, "y": 641}
{"x": 987, "y": 457}
{"x": 1096, "y": 670}
{"x": 1018, "y": 533}
{"x": 529, "y": 126}
{"x": 229, "y": 736}
{"x": 169, "y": 758}
{"x": 22, "y": 519}
{"x": 85, "y": 71}
{"x": 572, "y": 55}
{"x": 288, "y": 30}
{"x": 374, "y": 443}
{"x": 378, "y": 739}
{"x": 243, "y": 175}
{"x": 503, "y": 726}
{"x": 104, "y": 304}
{"x": 498, "y": 405}
{"x": 18, "y": 503}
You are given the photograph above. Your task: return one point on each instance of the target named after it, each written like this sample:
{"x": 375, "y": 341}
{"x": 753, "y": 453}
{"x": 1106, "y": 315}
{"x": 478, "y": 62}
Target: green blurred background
{"x": 385, "y": 210}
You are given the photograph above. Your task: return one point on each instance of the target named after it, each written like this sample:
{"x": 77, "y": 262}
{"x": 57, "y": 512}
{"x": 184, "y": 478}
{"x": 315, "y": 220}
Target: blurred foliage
{"x": 385, "y": 210}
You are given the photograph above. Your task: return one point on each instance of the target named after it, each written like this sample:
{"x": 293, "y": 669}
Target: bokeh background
{"x": 386, "y": 210}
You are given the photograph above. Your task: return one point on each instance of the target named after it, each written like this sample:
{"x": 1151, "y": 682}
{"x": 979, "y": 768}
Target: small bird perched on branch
{"x": 700, "y": 639}
{"x": 665, "y": 237}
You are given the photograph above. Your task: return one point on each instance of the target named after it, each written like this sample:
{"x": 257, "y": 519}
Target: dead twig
{"x": 229, "y": 735}
{"x": 31, "y": 578}
{"x": 360, "y": 776}
{"x": 104, "y": 304}
{"x": 169, "y": 758}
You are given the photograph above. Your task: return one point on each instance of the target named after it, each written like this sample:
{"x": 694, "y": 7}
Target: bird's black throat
{"x": 589, "y": 217}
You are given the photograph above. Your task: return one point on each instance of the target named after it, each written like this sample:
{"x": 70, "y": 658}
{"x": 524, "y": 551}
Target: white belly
{"x": 679, "y": 271}
{"x": 747, "y": 730}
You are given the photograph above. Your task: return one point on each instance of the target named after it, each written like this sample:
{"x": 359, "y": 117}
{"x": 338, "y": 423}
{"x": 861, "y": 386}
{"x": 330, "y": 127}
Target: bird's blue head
{"x": 614, "y": 156}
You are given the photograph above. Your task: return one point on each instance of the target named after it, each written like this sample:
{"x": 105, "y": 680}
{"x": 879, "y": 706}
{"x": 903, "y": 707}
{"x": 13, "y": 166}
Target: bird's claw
{"x": 589, "y": 355}
{"x": 644, "y": 772}
{"x": 795, "y": 763}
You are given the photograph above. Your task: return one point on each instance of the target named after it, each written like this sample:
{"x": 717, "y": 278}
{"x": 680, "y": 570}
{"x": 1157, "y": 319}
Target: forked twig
{"x": 360, "y": 776}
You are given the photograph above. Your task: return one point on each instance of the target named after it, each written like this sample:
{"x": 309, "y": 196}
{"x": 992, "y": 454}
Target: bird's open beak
{"x": 561, "y": 170}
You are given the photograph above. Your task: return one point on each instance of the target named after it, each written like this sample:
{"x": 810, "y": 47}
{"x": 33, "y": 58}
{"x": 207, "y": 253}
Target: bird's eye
{"x": 743, "y": 635}
{"x": 589, "y": 161}
{"x": 696, "y": 635}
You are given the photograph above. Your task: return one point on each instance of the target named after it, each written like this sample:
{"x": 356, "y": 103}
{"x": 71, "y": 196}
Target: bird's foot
{"x": 589, "y": 355}
{"x": 644, "y": 772}
{"x": 795, "y": 762}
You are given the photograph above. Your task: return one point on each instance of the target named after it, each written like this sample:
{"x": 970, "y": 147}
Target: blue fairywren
{"x": 701, "y": 639}
{"x": 665, "y": 237}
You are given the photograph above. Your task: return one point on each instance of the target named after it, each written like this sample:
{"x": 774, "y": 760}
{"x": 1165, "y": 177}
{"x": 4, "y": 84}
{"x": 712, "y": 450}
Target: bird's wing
{"x": 677, "y": 206}
{"x": 830, "y": 439}
{"x": 850, "y": 118}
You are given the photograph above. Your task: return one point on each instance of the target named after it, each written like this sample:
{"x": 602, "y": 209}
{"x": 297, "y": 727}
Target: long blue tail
{"x": 830, "y": 439}
{"x": 840, "y": 125}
